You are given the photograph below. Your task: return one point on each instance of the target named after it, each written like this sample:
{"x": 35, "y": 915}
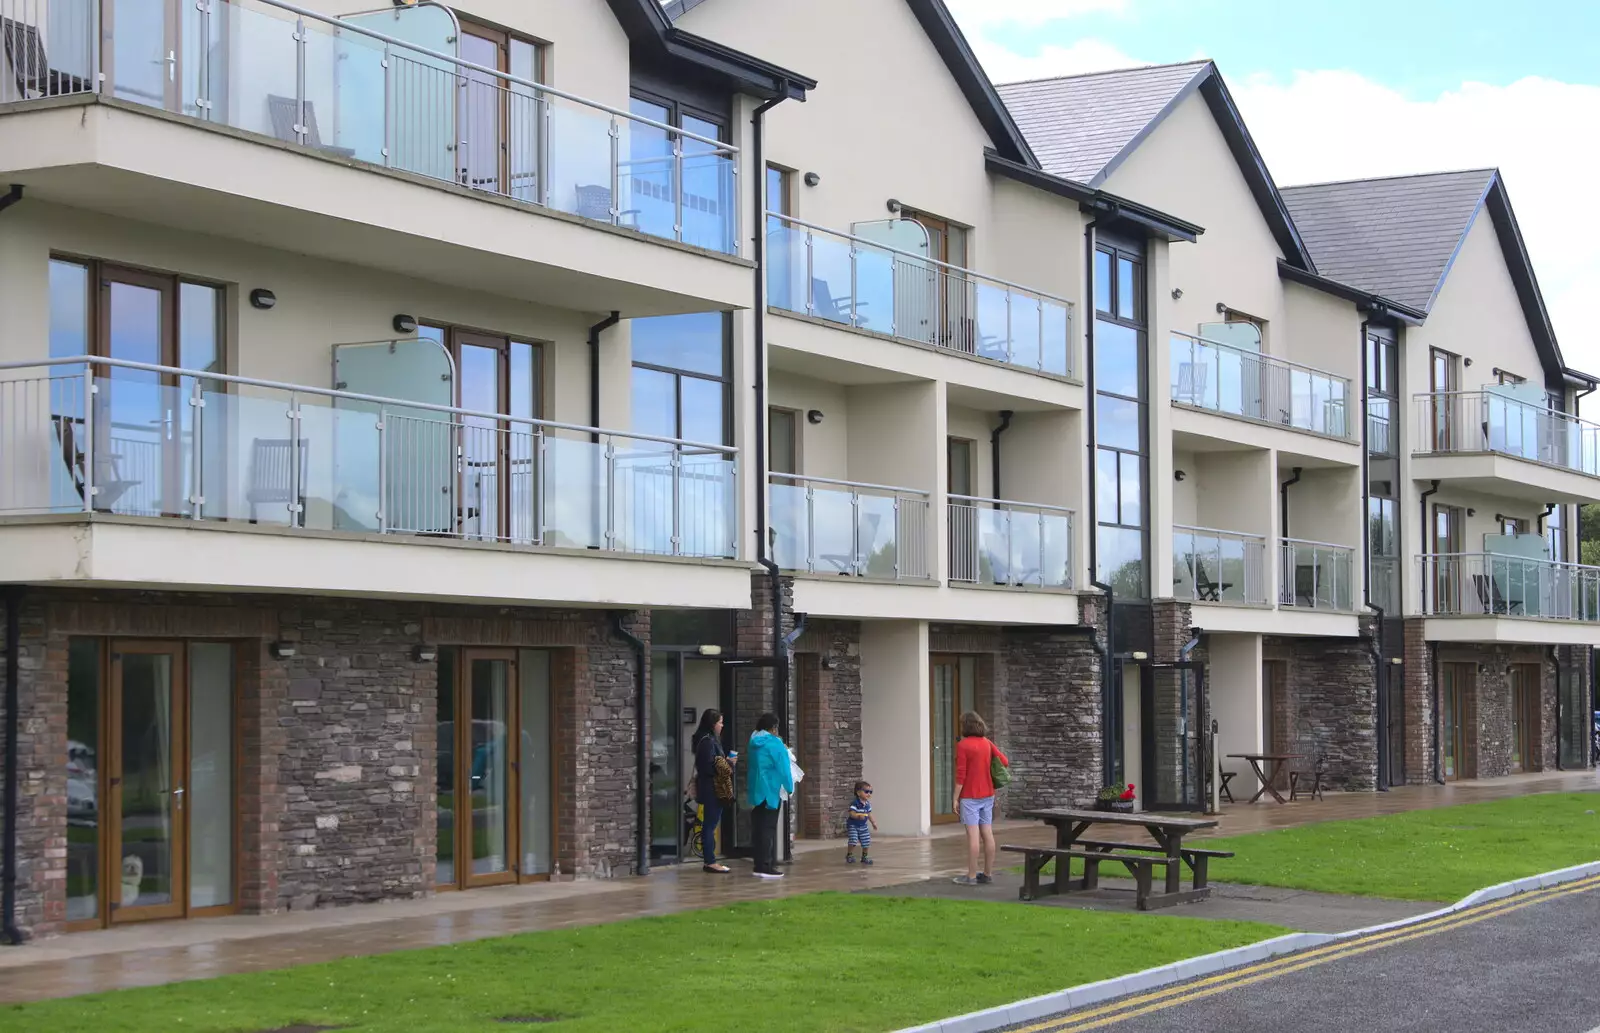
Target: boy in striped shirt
{"x": 859, "y": 825}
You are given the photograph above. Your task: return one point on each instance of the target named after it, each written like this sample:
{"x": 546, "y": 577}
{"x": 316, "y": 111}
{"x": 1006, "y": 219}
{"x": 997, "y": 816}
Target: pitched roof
{"x": 1396, "y": 236}
{"x": 1083, "y": 127}
{"x": 948, "y": 40}
{"x": 1108, "y": 111}
{"x": 649, "y": 25}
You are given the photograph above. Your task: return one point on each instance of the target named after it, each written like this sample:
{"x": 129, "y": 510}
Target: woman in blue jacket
{"x": 770, "y": 777}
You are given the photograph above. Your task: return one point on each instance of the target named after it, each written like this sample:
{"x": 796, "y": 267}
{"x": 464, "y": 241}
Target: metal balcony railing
{"x": 102, "y": 435}
{"x": 1237, "y": 382}
{"x": 1487, "y": 421}
{"x": 277, "y": 70}
{"x": 1477, "y": 584}
{"x": 824, "y": 526}
{"x": 1211, "y": 566}
{"x": 815, "y": 271}
{"x": 997, "y": 542}
{"x": 1316, "y": 575}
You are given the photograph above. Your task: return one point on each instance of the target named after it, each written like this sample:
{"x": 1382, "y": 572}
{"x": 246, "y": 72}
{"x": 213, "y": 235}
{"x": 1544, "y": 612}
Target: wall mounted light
{"x": 895, "y": 206}
{"x": 1466, "y": 362}
{"x": 1471, "y": 511}
{"x": 404, "y": 324}
{"x": 281, "y": 650}
{"x": 710, "y": 650}
{"x": 1177, "y": 292}
{"x": 262, "y": 298}
{"x": 813, "y": 415}
{"x": 828, "y": 663}
{"x": 423, "y": 654}
{"x": 1140, "y": 655}
{"x": 1178, "y": 475}
{"x": 1222, "y": 308}
{"x": 812, "y": 179}
{"x": 1397, "y": 661}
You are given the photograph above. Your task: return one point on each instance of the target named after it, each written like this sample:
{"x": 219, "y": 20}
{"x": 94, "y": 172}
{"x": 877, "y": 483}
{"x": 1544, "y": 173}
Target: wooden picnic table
{"x": 1167, "y": 833}
{"x": 1277, "y": 760}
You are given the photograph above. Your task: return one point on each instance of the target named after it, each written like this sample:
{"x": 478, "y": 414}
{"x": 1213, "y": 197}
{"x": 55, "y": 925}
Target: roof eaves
{"x": 1509, "y": 234}
{"x": 1260, "y": 180}
{"x": 951, "y": 43}
{"x": 1167, "y": 226}
{"x": 1366, "y": 299}
{"x": 647, "y": 23}
{"x": 1138, "y": 138}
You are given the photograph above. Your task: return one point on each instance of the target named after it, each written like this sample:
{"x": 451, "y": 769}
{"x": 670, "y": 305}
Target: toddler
{"x": 859, "y": 826}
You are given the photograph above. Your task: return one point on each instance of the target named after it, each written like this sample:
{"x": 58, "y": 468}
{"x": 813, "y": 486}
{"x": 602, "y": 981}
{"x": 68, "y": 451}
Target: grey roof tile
{"x": 1078, "y": 124}
{"x": 1393, "y": 236}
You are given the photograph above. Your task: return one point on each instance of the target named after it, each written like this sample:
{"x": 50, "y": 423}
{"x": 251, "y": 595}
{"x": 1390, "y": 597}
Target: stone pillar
{"x": 1053, "y": 702}
{"x": 262, "y": 695}
{"x": 1420, "y": 701}
{"x": 41, "y": 773}
{"x": 827, "y": 724}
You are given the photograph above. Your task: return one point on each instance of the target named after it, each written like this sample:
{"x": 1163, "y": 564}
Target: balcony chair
{"x": 1310, "y": 769}
{"x": 272, "y": 478}
{"x": 594, "y": 202}
{"x": 1491, "y": 600}
{"x": 1192, "y": 380}
{"x": 833, "y": 309}
{"x": 30, "y": 66}
{"x": 1305, "y": 585}
{"x": 284, "y": 112}
{"x": 1205, "y": 589}
{"x": 109, "y": 485}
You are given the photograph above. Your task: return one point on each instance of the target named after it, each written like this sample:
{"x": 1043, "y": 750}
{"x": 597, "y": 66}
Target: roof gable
{"x": 1084, "y": 126}
{"x": 648, "y": 25}
{"x": 957, "y": 55}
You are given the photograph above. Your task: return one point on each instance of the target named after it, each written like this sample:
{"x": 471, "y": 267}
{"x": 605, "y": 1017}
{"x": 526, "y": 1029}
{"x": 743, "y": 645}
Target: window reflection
{"x": 69, "y": 309}
{"x": 694, "y": 343}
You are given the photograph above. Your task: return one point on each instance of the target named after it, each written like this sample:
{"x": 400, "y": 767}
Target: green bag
{"x": 999, "y": 774}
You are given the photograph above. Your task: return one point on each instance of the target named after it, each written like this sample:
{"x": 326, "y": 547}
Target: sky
{"x": 1341, "y": 90}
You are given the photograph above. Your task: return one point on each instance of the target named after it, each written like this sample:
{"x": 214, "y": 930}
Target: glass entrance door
{"x": 1172, "y": 701}
{"x": 486, "y": 813}
{"x": 953, "y": 682}
{"x": 146, "y": 780}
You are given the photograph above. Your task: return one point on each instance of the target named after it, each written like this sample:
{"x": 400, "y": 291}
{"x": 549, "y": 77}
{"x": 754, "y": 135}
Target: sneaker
{"x": 983, "y": 879}
{"x": 962, "y": 880}
{"x": 849, "y": 858}
{"x": 769, "y": 875}
{"x": 866, "y": 860}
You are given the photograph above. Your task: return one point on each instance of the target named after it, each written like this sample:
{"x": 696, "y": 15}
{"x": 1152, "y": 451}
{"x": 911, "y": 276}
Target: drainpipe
{"x": 12, "y": 196}
{"x": 1380, "y": 670}
{"x": 1555, "y": 661}
{"x": 594, "y": 369}
{"x": 8, "y": 876}
{"x": 1549, "y": 507}
{"x": 1107, "y": 651}
{"x": 1438, "y": 718}
{"x": 1433, "y": 488}
{"x": 1283, "y": 503}
{"x": 994, "y": 448}
{"x": 642, "y": 708}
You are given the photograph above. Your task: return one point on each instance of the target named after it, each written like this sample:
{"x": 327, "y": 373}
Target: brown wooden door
{"x": 1525, "y": 679}
{"x": 1456, "y": 721}
{"x": 145, "y": 821}
{"x": 487, "y": 798}
{"x": 952, "y": 684}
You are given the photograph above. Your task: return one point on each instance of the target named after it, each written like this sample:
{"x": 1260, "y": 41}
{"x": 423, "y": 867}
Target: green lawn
{"x": 1441, "y": 854}
{"x": 824, "y": 962}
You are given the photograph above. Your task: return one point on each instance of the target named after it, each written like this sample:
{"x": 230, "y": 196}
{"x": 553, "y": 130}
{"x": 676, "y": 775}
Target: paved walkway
{"x": 153, "y": 953}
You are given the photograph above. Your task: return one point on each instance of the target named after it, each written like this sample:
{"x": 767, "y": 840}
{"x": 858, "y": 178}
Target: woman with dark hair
{"x": 708, "y": 759}
{"x": 771, "y": 777}
{"x": 975, "y": 759}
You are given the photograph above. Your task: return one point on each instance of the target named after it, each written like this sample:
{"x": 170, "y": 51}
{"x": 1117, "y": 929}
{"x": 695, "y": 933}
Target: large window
{"x": 1383, "y": 532}
{"x": 680, "y": 377}
{"x": 1121, "y": 399}
{"x": 1555, "y": 534}
{"x": 650, "y": 175}
{"x": 500, "y": 126}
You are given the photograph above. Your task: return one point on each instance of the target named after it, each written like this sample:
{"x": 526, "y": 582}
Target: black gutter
{"x": 1283, "y": 501}
{"x": 1549, "y": 507}
{"x": 1380, "y": 666}
{"x": 994, "y": 448}
{"x": 11, "y": 197}
{"x": 1170, "y": 227}
{"x": 594, "y": 369}
{"x": 1376, "y": 304}
{"x": 8, "y": 866}
{"x": 1107, "y": 652}
{"x": 642, "y": 708}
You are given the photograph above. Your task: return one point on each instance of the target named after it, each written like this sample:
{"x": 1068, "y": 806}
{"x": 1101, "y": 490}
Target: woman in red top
{"x": 975, "y": 795}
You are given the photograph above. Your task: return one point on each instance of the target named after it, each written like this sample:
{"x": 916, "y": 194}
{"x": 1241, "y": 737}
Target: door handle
{"x": 178, "y": 794}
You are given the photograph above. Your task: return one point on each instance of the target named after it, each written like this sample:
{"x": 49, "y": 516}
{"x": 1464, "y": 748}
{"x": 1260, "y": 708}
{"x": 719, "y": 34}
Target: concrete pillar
{"x": 895, "y": 724}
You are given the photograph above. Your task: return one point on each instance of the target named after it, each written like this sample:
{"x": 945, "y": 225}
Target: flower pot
{"x": 1114, "y": 806}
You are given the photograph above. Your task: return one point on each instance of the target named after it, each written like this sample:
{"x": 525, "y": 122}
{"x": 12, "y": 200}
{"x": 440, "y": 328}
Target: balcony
{"x": 1496, "y": 442}
{"x": 379, "y": 92}
{"x": 1316, "y": 576}
{"x": 851, "y": 281}
{"x": 1520, "y": 590}
{"x": 1211, "y": 566}
{"x": 1012, "y": 544}
{"x": 850, "y": 529}
{"x": 133, "y": 445}
{"x": 1248, "y": 385}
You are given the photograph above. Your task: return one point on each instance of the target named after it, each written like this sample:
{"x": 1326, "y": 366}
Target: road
{"x": 1527, "y": 964}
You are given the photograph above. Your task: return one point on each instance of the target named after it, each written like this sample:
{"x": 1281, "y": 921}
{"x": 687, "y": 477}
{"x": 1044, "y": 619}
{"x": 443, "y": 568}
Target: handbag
{"x": 722, "y": 778}
{"x": 999, "y": 774}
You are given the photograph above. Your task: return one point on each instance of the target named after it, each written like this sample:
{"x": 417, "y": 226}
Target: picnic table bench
{"x": 1140, "y": 859}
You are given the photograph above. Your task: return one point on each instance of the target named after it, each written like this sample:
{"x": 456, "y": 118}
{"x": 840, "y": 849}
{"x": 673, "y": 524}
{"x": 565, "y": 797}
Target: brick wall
{"x": 1052, "y": 702}
{"x": 828, "y": 724}
{"x": 42, "y": 776}
{"x": 1331, "y": 700}
{"x": 1420, "y": 701}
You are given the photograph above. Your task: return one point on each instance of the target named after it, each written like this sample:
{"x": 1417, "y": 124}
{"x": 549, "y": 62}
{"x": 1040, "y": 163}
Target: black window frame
{"x": 725, "y": 379}
{"x": 1132, "y": 252}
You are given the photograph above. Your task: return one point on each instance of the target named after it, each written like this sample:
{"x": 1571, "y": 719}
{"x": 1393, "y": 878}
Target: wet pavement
{"x": 155, "y": 953}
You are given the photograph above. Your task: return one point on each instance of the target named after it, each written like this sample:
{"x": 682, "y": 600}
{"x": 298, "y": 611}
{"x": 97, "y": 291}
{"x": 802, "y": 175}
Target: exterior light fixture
{"x": 1397, "y": 661}
{"x": 813, "y": 415}
{"x": 425, "y": 654}
{"x": 812, "y": 179}
{"x": 1178, "y": 475}
{"x": 1177, "y": 292}
{"x": 710, "y": 650}
{"x": 281, "y": 650}
{"x": 262, "y": 298}
{"x": 895, "y": 206}
{"x": 404, "y": 324}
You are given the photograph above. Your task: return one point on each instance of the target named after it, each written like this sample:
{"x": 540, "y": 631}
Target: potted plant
{"x": 1117, "y": 798}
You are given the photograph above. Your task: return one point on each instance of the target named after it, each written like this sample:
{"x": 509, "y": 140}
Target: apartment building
{"x": 411, "y": 420}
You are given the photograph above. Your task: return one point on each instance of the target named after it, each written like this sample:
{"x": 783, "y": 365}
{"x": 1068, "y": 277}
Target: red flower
{"x": 1128, "y": 793}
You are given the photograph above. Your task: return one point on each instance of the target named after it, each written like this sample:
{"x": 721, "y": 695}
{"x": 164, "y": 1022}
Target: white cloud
{"x": 974, "y": 14}
{"x": 1086, "y": 55}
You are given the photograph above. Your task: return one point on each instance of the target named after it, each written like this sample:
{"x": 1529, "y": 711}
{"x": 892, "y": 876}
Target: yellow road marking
{"x": 1211, "y": 985}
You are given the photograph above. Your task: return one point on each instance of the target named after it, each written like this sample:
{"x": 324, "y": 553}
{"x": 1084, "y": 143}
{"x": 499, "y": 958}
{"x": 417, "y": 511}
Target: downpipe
{"x": 594, "y": 369}
{"x": 782, "y": 691}
{"x": 1283, "y": 503}
{"x": 11, "y": 197}
{"x": 994, "y": 449}
{"x": 642, "y": 708}
{"x": 9, "y": 930}
{"x": 1433, "y": 658}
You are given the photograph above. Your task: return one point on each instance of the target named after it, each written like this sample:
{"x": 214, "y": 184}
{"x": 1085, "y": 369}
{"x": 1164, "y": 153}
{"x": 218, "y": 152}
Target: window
{"x": 1442, "y": 369}
{"x": 1121, "y": 401}
{"x": 780, "y": 186}
{"x": 500, "y": 125}
{"x": 958, "y": 453}
{"x": 947, "y": 241}
{"x": 680, "y": 376}
{"x": 1506, "y": 377}
{"x": 1513, "y": 526}
{"x": 1555, "y": 535}
{"x": 649, "y": 178}
{"x": 1381, "y": 363}
{"x": 783, "y": 440}
{"x": 1449, "y": 529}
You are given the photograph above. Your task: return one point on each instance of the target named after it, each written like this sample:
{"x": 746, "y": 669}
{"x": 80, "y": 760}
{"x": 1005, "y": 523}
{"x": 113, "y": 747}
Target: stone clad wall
{"x": 41, "y": 774}
{"x": 1053, "y": 713}
{"x": 828, "y": 724}
{"x": 1331, "y": 696}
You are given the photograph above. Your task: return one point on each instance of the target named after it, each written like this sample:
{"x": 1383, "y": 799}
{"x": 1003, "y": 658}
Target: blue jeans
{"x": 708, "y": 828}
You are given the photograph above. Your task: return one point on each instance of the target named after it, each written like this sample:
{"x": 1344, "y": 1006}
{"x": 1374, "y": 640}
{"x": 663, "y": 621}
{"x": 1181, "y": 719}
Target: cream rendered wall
{"x": 1158, "y": 275}
{"x": 895, "y": 732}
{"x": 1324, "y": 333}
{"x": 891, "y": 426}
{"x": 824, "y": 447}
{"x": 976, "y": 426}
{"x": 1036, "y": 239}
{"x": 1184, "y": 167}
{"x": 1234, "y": 687}
{"x": 1186, "y": 493}
{"x": 1042, "y": 459}
{"x": 1325, "y": 506}
{"x": 1235, "y": 492}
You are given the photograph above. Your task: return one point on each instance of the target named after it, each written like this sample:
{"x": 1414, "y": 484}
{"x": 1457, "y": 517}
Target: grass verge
{"x": 1441, "y": 854}
{"x": 823, "y": 963}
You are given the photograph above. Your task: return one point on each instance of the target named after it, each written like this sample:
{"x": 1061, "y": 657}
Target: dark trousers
{"x": 708, "y": 829}
{"x": 764, "y": 830}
